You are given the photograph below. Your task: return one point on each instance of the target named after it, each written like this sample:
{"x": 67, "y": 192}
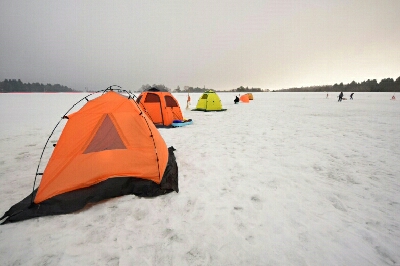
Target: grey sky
{"x": 218, "y": 44}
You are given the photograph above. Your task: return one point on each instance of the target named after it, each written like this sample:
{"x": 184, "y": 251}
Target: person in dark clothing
{"x": 236, "y": 100}
{"x": 340, "y": 96}
{"x": 351, "y": 96}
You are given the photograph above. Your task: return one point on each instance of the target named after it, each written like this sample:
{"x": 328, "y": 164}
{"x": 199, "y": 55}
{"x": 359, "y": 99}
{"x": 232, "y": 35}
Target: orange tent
{"x": 108, "y": 148}
{"x": 244, "y": 98}
{"x": 160, "y": 106}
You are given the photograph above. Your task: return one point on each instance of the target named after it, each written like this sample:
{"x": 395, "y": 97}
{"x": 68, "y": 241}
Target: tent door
{"x": 156, "y": 112}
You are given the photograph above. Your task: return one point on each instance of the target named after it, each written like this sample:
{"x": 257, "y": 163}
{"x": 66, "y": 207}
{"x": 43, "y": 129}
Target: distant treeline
{"x": 190, "y": 89}
{"x": 247, "y": 89}
{"x": 385, "y": 85}
{"x": 201, "y": 90}
{"x": 13, "y": 85}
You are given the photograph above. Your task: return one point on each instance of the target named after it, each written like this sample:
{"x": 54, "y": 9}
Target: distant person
{"x": 393, "y": 97}
{"x": 236, "y": 100}
{"x": 351, "y": 96}
{"x": 188, "y": 102}
{"x": 327, "y": 95}
{"x": 340, "y": 96}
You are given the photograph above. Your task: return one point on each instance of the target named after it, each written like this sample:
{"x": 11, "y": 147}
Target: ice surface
{"x": 287, "y": 179}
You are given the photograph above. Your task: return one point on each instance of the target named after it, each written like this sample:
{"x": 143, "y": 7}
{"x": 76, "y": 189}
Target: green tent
{"x": 208, "y": 102}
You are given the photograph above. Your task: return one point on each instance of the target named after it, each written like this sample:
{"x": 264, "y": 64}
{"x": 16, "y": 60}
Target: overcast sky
{"x": 268, "y": 44}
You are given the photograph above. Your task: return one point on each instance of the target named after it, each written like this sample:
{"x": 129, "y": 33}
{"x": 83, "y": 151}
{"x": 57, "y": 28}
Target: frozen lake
{"x": 287, "y": 179}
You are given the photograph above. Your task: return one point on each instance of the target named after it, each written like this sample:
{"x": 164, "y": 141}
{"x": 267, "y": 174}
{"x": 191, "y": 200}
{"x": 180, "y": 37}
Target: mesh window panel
{"x": 170, "y": 102}
{"x": 152, "y": 98}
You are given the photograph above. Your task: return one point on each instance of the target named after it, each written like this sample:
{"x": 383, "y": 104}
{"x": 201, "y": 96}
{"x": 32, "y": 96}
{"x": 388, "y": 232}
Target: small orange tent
{"x": 160, "y": 106}
{"x": 244, "y": 98}
{"x": 108, "y": 148}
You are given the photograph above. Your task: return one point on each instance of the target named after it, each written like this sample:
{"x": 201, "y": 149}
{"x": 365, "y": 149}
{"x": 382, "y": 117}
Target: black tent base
{"x": 204, "y": 110}
{"x": 113, "y": 187}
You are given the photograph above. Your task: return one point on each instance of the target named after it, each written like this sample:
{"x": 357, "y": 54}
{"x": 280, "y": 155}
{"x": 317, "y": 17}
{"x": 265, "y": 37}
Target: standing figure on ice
{"x": 188, "y": 102}
{"x": 340, "y": 96}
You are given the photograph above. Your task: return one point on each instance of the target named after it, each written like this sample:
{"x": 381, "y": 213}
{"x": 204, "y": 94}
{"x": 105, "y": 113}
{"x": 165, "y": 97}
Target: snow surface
{"x": 287, "y": 179}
